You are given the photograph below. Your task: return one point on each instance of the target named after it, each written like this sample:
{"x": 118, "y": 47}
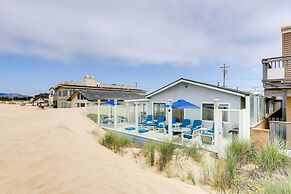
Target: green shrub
{"x": 166, "y": 152}
{"x": 194, "y": 152}
{"x": 114, "y": 142}
{"x": 271, "y": 157}
{"x": 149, "y": 151}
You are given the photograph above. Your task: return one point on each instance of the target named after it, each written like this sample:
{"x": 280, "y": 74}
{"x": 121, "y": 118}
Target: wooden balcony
{"x": 277, "y": 72}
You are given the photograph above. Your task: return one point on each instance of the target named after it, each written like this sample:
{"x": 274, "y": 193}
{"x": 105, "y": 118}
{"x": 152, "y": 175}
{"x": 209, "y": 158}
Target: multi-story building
{"x": 60, "y": 94}
{"x": 277, "y": 88}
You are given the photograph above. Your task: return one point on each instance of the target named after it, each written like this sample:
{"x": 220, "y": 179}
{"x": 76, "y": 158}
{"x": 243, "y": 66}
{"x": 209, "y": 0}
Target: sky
{"x": 148, "y": 42}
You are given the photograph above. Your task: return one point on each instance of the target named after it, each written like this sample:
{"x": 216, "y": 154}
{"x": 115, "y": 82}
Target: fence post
{"x": 247, "y": 123}
{"x": 170, "y": 116}
{"x": 136, "y": 115}
{"x": 115, "y": 114}
{"x": 98, "y": 112}
{"x": 127, "y": 111}
{"x": 109, "y": 113}
{"x": 218, "y": 129}
{"x": 241, "y": 124}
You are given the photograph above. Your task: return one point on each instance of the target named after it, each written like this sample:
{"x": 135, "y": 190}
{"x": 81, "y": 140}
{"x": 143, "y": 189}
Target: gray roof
{"x": 200, "y": 83}
{"x": 94, "y": 95}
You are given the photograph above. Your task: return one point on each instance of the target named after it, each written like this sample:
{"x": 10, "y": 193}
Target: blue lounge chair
{"x": 185, "y": 123}
{"x": 148, "y": 119}
{"x": 211, "y": 129}
{"x": 197, "y": 124}
{"x": 165, "y": 126}
{"x": 161, "y": 119}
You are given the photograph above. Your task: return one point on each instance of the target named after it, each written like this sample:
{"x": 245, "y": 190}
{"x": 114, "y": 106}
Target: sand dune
{"x": 52, "y": 151}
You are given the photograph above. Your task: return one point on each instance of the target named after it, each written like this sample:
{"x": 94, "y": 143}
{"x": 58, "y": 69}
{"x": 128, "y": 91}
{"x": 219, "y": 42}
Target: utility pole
{"x": 224, "y": 70}
{"x": 136, "y": 83}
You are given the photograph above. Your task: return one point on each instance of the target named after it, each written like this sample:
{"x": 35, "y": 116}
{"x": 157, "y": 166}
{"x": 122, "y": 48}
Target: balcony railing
{"x": 281, "y": 130}
{"x": 277, "y": 68}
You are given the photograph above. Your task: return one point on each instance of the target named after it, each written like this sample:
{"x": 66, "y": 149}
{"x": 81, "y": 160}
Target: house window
{"x": 159, "y": 109}
{"x": 65, "y": 93}
{"x": 80, "y": 97}
{"x": 208, "y": 111}
{"x": 71, "y": 92}
{"x": 60, "y": 93}
{"x": 80, "y": 104}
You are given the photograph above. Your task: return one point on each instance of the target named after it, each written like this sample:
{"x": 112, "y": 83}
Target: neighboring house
{"x": 40, "y": 99}
{"x": 277, "y": 86}
{"x": 202, "y": 95}
{"x": 63, "y": 91}
{"x": 82, "y": 97}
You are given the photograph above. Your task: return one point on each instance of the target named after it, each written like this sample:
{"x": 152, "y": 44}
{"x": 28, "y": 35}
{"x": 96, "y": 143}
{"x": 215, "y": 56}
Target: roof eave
{"x": 197, "y": 84}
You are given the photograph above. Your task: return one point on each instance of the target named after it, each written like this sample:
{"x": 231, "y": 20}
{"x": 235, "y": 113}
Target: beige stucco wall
{"x": 62, "y": 100}
{"x": 75, "y": 101}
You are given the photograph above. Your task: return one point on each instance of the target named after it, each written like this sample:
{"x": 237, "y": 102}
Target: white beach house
{"x": 226, "y": 110}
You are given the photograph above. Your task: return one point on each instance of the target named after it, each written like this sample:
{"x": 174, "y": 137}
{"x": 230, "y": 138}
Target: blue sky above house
{"x": 149, "y": 42}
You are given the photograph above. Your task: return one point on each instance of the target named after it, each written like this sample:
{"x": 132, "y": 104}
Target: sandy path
{"x": 52, "y": 151}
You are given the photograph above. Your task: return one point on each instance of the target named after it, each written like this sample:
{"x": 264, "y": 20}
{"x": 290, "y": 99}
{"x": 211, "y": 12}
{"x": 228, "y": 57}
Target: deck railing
{"x": 282, "y": 130}
{"x": 277, "y": 68}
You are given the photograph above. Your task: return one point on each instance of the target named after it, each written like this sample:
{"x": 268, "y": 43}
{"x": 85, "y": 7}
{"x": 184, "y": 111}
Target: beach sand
{"x": 53, "y": 151}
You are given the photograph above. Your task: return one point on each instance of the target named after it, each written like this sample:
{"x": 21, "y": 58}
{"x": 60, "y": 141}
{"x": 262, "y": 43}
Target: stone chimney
{"x": 286, "y": 41}
{"x": 90, "y": 81}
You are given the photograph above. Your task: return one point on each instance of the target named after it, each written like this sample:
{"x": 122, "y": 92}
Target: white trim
{"x": 138, "y": 100}
{"x": 228, "y": 115}
{"x": 197, "y": 84}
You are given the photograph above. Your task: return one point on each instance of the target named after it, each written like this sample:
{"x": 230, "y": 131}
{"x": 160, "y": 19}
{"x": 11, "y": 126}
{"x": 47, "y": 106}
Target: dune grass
{"x": 281, "y": 185}
{"x": 115, "y": 142}
{"x": 246, "y": 167}
{"x": 159, "y": 153}
{"x": 241, "y": 152}
{"x": 194, "y": 152}
{"x": 271, "y": 157}
{"x": 166, "y": 152}
{"x": 149, "y": 152}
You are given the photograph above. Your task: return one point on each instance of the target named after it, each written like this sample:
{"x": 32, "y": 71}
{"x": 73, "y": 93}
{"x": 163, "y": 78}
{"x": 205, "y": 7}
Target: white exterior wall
{"x": 197, "y": 95}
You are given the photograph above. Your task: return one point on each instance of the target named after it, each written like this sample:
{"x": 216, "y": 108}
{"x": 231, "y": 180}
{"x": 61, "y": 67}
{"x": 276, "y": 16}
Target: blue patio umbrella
{"x": 181, "y": 104}
{"x": 110, "y": 103}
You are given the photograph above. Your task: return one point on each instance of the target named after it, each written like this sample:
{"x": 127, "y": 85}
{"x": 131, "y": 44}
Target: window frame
{"x": 221, "y": 103}
{"x": 159, "y": 103}
{"x": 71, "y": 92}
{"x": 65, "y": 91}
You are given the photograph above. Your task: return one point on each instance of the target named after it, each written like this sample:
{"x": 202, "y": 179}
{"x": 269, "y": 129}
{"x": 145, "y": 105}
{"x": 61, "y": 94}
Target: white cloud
{"x": 140, "y": 32}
